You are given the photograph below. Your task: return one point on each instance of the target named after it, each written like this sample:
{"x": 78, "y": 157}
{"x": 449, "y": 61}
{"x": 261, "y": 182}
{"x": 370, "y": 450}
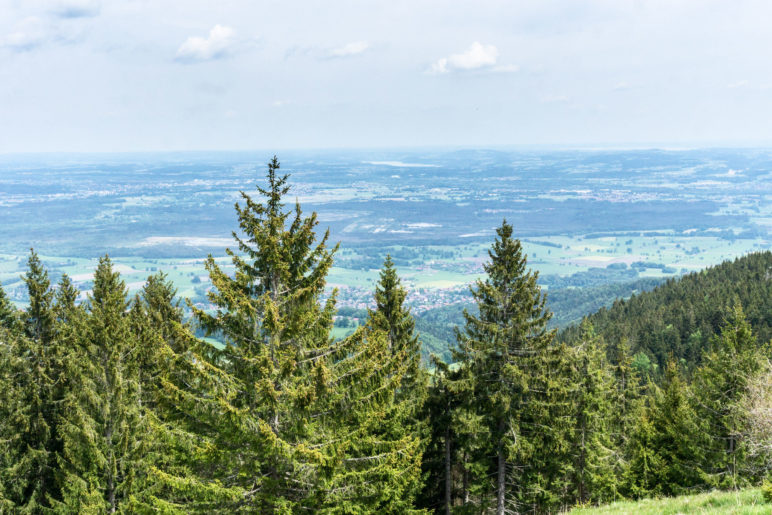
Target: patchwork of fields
{"x": 615, "y": 216}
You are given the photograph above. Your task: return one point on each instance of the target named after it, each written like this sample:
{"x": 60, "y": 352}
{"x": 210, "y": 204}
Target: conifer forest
{"x": 112, "y": 403}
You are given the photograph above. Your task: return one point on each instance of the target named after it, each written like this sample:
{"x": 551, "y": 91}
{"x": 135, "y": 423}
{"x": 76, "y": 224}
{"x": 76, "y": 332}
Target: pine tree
{"x": 506, "y": 349}
{"x": 679, "y": 440}
{"x": 593, "y": 477}
{"x": 392, "y": 317}
{"x": 721, "y": 384}
{"x": 104, "y": 432}
{"x": 65, "y": 302}
{"x": 30, "y": 430}
{"x": 643, "y": 463}
{"x": 7, "y": 311}
{"x": 39, "y": 319}
{"x": 295, "y": 420}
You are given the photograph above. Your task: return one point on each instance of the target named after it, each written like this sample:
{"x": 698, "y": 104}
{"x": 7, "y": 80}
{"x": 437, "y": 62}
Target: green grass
{"x": 338, "y": 333}
{"x": 745, "y": 501}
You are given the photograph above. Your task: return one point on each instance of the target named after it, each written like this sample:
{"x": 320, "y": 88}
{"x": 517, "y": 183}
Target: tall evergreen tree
{"x": 7, "y": 310}
{"x": 65, "y": 300}
{"x": 295, "y": 419}
{"x": 393, "y": 318}
{"x": 30, "y": 431}
{"x": 505, "y": 349}
{"x": 721, "y": 384}
{"x": 39, "y": 319}
{"x": 156, "y": 322}
{"x": 593, "y": 475}
{"x": 10, "y": 448}
{"x": 104, "y": 432}
{"x": 679, "y": 439}
{"x": 643, "y": 462}
{"x": 158, "y": 297}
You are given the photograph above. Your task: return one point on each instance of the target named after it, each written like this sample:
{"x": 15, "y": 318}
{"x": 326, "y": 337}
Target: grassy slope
{"x": 745, "y": 501}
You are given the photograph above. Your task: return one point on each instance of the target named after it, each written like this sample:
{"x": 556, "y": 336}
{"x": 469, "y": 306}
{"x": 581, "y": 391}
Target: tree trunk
{"x": 582, "y": 463}
{"x": 502, "y": 473}
{"x": 466, "y": 483}
{"x": 448, "y": 476}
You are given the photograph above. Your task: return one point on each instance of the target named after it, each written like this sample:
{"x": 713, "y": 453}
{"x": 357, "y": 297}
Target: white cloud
{"x": 29, "y": 34}
{"x": 621, "y": 86}
{"x": 738, "y": 84}
{"x": 476, "y": 57}
{"x": 216, "y": 46}
{"x": 351, "y": 49}
{"x": 75, "y": 8}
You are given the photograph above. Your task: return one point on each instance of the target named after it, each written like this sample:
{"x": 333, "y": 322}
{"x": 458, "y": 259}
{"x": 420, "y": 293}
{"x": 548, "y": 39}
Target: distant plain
{"x": 586, "y": 218}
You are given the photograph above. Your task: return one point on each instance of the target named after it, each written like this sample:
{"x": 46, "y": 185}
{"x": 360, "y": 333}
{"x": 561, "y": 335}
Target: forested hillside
{"x": 679, "y": 318}
{"x": 114, "y": 405}
{"x": 437, "y": 326}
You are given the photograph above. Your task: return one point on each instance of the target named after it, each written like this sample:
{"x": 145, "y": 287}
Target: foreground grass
{"x": 744, "y": 501}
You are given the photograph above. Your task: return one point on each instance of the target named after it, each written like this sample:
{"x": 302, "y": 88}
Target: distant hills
{"x": 656, "y": 318}
{"x": 680, "y": 316}
{"x": 568, "y": 305}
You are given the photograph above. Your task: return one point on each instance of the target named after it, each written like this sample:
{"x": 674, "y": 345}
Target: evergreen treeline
{"x": 679, "y": 318}
{"x": 112, "y": 404}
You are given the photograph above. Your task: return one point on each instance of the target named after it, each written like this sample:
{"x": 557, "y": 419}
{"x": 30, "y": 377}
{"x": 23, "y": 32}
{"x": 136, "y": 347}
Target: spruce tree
{"x": 506, "y": 349}
{"x": 65, "y": 308}
{"x": 39, "y": 318}
{"x": 31, "y": 434}
{"x": 721, "y": 384}
{"x": 104, "y": 431}
{"x": 643, "y": 462}
{"x": 679, "y": 440}
{"x": 393, "y": 318}
{"x": 158, "y": 298}
{"x": 627, "y": 400}
{"x": 592, "y": 476}
{"x": 156, "y": 322}
{"x": 11, "y": 449}
{"x": 295, "y": 420}
{"x": 7, "y": 311}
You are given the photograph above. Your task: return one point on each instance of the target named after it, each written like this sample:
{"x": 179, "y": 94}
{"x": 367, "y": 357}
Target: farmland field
{"x": 585, "y": 218}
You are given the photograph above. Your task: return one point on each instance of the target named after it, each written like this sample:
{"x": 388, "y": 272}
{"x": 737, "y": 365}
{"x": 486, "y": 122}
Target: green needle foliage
{"x": 721, "y": 384}
{"x": 113, "y": 405}
{"x": 592, "y": 476}
{"x": 30, "y": 432}
{"x": 506, "y": 351}
{"x": 103, "y": 428}
{"x": 393, "y": 318}
{"x": 7, "y": 311}
{"x": 296, "y": 421}
{"x": 680, "y": 441}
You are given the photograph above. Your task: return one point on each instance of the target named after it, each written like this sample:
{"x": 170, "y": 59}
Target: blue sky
{"x": 125, "y": 75}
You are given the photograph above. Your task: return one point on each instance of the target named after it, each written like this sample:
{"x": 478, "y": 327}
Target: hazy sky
{"x": 114, "y": 75}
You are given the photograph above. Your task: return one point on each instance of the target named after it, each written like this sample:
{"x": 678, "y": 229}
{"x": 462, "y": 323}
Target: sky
{"x": 163, "y": 75}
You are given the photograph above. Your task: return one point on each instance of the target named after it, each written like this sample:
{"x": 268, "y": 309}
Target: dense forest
{"x": 114, "y": 405}
{"x": 568, "y": 305}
